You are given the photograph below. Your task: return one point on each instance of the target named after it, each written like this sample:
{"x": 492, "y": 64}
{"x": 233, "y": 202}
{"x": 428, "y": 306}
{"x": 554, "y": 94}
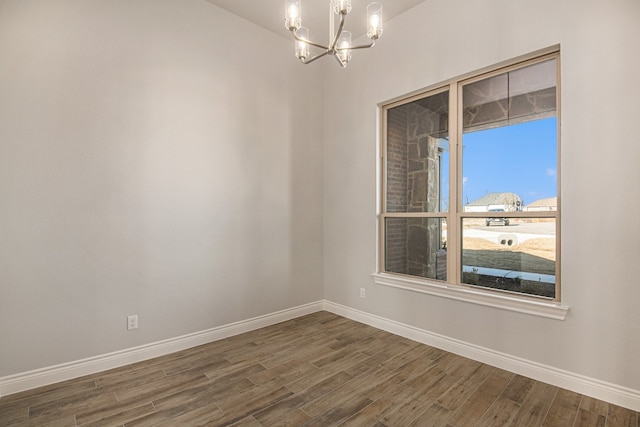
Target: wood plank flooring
{"x": 317, "y": 370}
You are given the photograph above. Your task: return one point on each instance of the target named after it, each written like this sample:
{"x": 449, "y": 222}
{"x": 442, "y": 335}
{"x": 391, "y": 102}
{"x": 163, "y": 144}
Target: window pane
{"x": 418, "y": 155}
{"x": 510, "y": 141}
{"x": 519, "y": 256}
{"x": 416, "y": 246}
{"x": 503, "y": 167}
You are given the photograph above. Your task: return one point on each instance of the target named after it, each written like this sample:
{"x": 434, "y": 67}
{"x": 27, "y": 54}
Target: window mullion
{"x": 453, "y": 220}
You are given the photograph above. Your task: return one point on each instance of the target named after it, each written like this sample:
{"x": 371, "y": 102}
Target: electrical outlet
{"x": 362, "y": 293}
{"x": 132, "y": 322}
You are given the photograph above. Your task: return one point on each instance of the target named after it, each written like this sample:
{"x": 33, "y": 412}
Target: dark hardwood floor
{"x": 317, "y": 370}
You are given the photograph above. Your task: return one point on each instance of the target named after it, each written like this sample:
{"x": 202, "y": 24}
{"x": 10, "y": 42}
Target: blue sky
{"x": 520, "y": 158}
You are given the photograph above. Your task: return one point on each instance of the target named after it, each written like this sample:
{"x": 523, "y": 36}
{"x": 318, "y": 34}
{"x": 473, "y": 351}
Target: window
{"x": 469, "y": 186}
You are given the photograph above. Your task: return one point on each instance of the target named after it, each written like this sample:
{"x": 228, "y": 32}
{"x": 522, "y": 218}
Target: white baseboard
{"x": 66, "y": 371}
{"x": 608, "y": 392}
{"x": 601, "y": 390}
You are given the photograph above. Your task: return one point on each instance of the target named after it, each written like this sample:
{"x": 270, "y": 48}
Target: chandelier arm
{"x": 340, "y": 61}
{"x": 300, "y": 39}
{"x": 364, "y": 46}
{"x": 337, "y": 36}
{"x": 318, "y": 56}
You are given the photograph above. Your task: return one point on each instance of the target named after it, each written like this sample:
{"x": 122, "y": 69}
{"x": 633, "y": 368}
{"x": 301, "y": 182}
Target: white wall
{"x": 442, "y": 39}
{"x": 153, "y": 161}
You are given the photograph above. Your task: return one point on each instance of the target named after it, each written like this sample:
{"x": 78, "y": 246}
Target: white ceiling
{"x": 269, "y": 14}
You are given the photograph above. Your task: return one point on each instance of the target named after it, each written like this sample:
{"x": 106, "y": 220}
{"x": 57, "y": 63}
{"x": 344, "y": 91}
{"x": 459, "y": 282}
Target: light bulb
{"x": 344, "y": 43}
{"x": 293, "y": 11}
{"x": 292, "y": 14}
{"x": 374, "y": 12}
{"x": 374, "y": 21}
{"x": 302, "y": 48}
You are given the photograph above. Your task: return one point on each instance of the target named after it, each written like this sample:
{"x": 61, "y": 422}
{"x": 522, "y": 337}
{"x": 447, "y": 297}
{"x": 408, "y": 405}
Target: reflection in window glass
{"x": 416, "y": 246}
{"x": 518, "y": 257}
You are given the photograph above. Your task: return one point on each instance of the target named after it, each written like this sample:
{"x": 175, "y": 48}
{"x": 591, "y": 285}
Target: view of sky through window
{"x": 520, "y": 158}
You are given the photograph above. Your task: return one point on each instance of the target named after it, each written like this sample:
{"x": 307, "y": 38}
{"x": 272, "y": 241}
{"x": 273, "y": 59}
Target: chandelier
{"x": 339, "y": 40}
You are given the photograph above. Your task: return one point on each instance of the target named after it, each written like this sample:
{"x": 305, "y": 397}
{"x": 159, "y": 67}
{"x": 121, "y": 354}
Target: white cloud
{"x": 465, "y": 179}
{"x": 551, "y": 172}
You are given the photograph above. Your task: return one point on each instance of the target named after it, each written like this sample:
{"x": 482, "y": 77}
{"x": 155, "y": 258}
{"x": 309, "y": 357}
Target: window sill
{"x": 549, "y": 309}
